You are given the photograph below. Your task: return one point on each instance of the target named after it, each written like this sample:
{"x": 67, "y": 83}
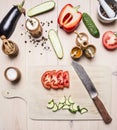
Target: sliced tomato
{"x": 54, "y": 81}
{"x": 59, "y": 76}
{"x": 46, "y": 79}
{"x": 109, "y": 40}
{"x": 66, "y": 79}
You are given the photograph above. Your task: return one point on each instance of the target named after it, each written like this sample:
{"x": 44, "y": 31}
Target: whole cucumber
{"x": 90, "y": 25}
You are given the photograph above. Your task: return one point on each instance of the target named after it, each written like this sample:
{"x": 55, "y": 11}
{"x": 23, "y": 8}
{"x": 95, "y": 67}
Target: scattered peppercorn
{"x": 41, "y": 41}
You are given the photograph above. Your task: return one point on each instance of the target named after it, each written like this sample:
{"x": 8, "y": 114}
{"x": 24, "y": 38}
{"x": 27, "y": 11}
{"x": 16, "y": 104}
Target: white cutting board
{"x": 37, "y": 96}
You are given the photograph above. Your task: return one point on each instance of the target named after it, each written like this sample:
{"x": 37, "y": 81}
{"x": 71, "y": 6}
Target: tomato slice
{"x": 46, "y": 79}
{"x": 66, "y": 79}
{"x": 54, "y": 81}
{"x": 109, "y": 40}
{"x": 59, "y": 76}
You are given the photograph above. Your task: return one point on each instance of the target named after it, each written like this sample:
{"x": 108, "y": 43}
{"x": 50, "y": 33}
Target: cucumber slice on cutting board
{"x": 41, "y": 8}
{"x": 54, "y": 39}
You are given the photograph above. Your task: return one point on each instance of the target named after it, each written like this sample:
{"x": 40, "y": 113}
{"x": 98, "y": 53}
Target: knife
{"x": 82, "y": 74}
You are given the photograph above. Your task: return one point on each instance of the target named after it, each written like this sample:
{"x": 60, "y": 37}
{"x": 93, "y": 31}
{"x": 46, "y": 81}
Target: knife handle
{"x": 102, "y": 110}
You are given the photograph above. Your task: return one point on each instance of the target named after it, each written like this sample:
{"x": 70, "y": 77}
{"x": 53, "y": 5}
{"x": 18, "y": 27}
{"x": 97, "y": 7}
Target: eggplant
{"x": 9, "y": 22}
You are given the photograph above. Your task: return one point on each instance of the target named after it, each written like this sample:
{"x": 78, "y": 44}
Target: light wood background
{"x": 13, "y": 112}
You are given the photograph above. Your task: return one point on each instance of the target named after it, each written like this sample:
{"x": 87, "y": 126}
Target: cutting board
{"x": 37, "y": 96}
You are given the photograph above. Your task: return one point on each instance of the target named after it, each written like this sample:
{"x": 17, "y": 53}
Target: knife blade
{"x": 82, "y": 74}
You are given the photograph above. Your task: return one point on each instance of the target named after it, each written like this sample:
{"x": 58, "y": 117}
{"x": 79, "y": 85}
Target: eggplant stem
{"x": 20, "y": 6}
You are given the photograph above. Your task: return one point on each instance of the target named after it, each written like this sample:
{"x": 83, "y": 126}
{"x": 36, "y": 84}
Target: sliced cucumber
{"x": 54, "y": 39}
{"x": 67, "y": 102}
{"x": 50, "y": 104}
{"x": 73, "y": 108}
{"x": 41, "y": 8}
{"x": 83, "y": 110}
{"x": 65, "y": 107}
{"x": 78, "y": 107}
{"x": 63, "y": 100}
{"x": 70, "y": 100}
{"x": 60, "y": 105}
{"x": 55, "y": 108}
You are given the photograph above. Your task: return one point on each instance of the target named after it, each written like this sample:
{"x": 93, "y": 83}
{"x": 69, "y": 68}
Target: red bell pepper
{"x": 69, "y": 18}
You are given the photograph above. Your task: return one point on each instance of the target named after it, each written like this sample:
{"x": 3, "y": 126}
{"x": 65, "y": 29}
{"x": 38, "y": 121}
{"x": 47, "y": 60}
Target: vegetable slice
{"x": 60, "y": 105}
{"x": 41, "y": 8}
{"x": 83, "y": 110}
{"x": 55, "y": 108}
{"x": 53, "y": 36}
{"x": 50, "y": 104}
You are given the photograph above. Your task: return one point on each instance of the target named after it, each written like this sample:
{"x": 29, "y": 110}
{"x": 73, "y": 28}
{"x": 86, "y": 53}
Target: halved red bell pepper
{"x": 69, "y": 18}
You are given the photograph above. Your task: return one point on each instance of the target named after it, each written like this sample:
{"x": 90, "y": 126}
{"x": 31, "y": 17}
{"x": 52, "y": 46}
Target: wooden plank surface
{"x": 14, "y": 113}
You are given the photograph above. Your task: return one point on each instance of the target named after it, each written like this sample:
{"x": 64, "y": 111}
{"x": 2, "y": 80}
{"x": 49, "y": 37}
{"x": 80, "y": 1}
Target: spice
{"x": 41, "y": 41}
{"x": 76, "y": 52}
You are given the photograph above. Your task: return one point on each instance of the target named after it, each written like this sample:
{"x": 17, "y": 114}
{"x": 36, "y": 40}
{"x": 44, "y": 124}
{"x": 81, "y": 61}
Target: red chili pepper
{"x": 69, "y": 18}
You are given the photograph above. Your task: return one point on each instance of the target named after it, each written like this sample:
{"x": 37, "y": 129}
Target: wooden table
{"x": 14, "y": 112}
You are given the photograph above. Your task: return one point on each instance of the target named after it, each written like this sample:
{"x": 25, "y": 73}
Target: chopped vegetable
{"x": 69, "y": 18}
{"x": 66, "y": 103}
{"x": 60, "y": 106}
{"x": 50, "y": 104}
{"x": 65, "y": 107}
{"x": 55, "y": 108}
{"x": 83, "y": 110}
{"x": 41, "y": 8}
{"x": 8, "y": 24}
{"x": 55, "y": 41}
{"x": 55, "y": 79}
{"x": 90, "y": 25}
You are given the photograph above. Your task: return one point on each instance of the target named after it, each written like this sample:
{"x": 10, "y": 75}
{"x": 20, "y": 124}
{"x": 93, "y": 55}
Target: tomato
{"x": 60, "y": 78}
{"x": 45, "y": 79}
{"x": 66, "y": 78}
{"x": 55, "y": 79}
{"x": 109, "y": 40}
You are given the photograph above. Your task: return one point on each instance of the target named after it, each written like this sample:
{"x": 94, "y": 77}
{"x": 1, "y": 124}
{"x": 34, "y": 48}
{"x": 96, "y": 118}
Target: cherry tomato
{"x": 109, "y": 40}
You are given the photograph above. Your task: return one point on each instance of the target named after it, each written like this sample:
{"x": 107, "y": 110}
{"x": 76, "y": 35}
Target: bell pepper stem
{"x": 77, "y": 7}
{"x": 115, "y": 34}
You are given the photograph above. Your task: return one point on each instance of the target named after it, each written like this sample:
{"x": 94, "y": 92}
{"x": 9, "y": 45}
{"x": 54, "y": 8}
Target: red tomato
{"x": 60, "y": 78}
{"x": 54, "y": 81}
{"x": 109, "y": 40}
{"x": 66, "y": 79}
{"x": 46, "y": 79}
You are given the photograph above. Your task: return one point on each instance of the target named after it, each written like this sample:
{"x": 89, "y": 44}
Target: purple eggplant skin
{"x": 9, "y": 22}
